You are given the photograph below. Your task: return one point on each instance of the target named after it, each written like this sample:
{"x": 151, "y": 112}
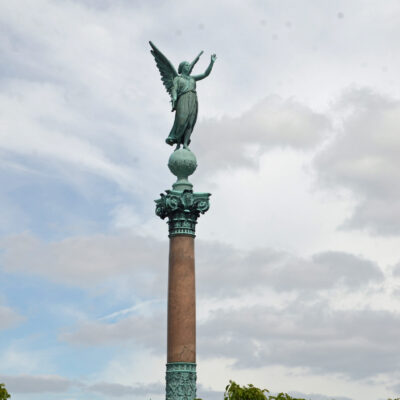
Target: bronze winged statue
{"x": 181, "y": 86}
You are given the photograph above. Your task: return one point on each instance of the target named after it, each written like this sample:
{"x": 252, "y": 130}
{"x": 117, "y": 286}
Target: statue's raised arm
{"x": 181, "y": 87}
{"x": 207, "y": 71}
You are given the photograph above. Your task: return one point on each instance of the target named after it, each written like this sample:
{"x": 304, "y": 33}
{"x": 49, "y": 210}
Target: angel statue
{"x": 181, "y": 87}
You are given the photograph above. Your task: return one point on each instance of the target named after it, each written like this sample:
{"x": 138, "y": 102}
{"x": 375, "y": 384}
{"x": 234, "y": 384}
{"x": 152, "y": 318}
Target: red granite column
{"x": 181, "y": 301}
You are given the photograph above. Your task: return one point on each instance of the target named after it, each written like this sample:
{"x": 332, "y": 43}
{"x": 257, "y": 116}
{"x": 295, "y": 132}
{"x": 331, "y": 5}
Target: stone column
{"x": 182, "y": 207}
{"x": 181, "y": 301}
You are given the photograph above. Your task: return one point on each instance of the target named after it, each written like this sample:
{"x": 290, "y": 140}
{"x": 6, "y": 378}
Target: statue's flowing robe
{"x": 186, "y": 110}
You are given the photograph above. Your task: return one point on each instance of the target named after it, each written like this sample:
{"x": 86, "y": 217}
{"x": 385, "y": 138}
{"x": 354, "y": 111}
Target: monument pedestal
{"x": 182, "y": 207}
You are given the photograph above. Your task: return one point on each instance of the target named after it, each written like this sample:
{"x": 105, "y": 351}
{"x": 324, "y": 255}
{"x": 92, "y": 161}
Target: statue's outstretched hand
{"x": 213, "y": 57}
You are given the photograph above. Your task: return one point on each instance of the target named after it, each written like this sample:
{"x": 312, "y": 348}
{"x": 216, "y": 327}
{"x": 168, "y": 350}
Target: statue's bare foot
{"x": 178, "y": 146}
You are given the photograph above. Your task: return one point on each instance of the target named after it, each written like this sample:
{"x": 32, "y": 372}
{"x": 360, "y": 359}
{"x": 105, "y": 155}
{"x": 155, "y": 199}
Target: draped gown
{"x": 186, "y": 110}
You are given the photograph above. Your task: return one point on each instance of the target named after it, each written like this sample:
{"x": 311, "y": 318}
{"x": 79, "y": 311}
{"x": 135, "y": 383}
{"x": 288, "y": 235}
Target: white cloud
{"x": 71, "y": 99}
{"x": 363, "y": 158}
{"x": 396, "y": 270}
{"x": 229, "y": 272}
{"x": 354, "y": 344}
{"x": 57, "y": 384}
{"x": 35, "y": 383}
{"x": 85, "y": 261}
{"x": 39, "y": 123}
{"x": 118, "y": 390}
{"x": 314, "y": 396}
{"x": 144, "y": 331}
{"x": 19, "y": 360}
{"x": 273, "y": 122}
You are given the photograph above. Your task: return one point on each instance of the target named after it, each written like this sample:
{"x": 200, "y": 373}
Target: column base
{"x": 181, "y": 381}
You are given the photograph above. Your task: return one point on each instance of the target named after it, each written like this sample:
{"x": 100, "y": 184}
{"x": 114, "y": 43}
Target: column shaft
{"x": 181, "y": 301}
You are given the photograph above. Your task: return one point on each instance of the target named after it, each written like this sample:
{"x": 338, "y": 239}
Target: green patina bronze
{"x": 182, "y": 209}
{"x": 181, "y": 86}
{"x": 181, "y": 381}
{"x": 182, "y": 163}
{"x": 181, "y": 205}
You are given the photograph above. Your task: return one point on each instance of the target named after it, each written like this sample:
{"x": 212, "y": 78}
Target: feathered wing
{"x": 167, "y": 70}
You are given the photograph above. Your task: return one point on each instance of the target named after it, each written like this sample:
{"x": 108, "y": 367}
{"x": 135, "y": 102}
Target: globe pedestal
{"x": 182, "y": 163}
{"x": 182, "y": 207}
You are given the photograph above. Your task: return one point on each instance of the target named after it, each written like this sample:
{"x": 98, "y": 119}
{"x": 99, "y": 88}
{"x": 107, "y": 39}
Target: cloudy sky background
{"x": 298, "y": 259}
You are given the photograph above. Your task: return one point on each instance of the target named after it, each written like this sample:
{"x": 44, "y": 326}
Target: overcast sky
{"x": 298, "y": 140}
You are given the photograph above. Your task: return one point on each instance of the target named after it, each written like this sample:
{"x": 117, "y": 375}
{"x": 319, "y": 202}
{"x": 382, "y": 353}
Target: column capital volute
{"x": 182, "y": 209}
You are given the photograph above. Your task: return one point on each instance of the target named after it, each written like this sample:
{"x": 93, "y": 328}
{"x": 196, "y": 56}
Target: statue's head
{"x": 184, "y": 67}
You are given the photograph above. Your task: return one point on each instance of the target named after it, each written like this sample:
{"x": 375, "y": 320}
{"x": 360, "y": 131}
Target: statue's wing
{"x": 167, "y": 70}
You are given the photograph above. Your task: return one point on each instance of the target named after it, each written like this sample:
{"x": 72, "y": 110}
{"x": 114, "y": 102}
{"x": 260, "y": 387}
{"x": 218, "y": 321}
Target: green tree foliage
{"x": 283, "y": 396}
{"x": 236, "y": 392}
{"x": 4, "y": 395}
{"x": 233, "y": 391}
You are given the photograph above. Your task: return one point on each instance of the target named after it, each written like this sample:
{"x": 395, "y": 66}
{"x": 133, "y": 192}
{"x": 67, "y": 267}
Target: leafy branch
{"x": 4, "y": 395}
